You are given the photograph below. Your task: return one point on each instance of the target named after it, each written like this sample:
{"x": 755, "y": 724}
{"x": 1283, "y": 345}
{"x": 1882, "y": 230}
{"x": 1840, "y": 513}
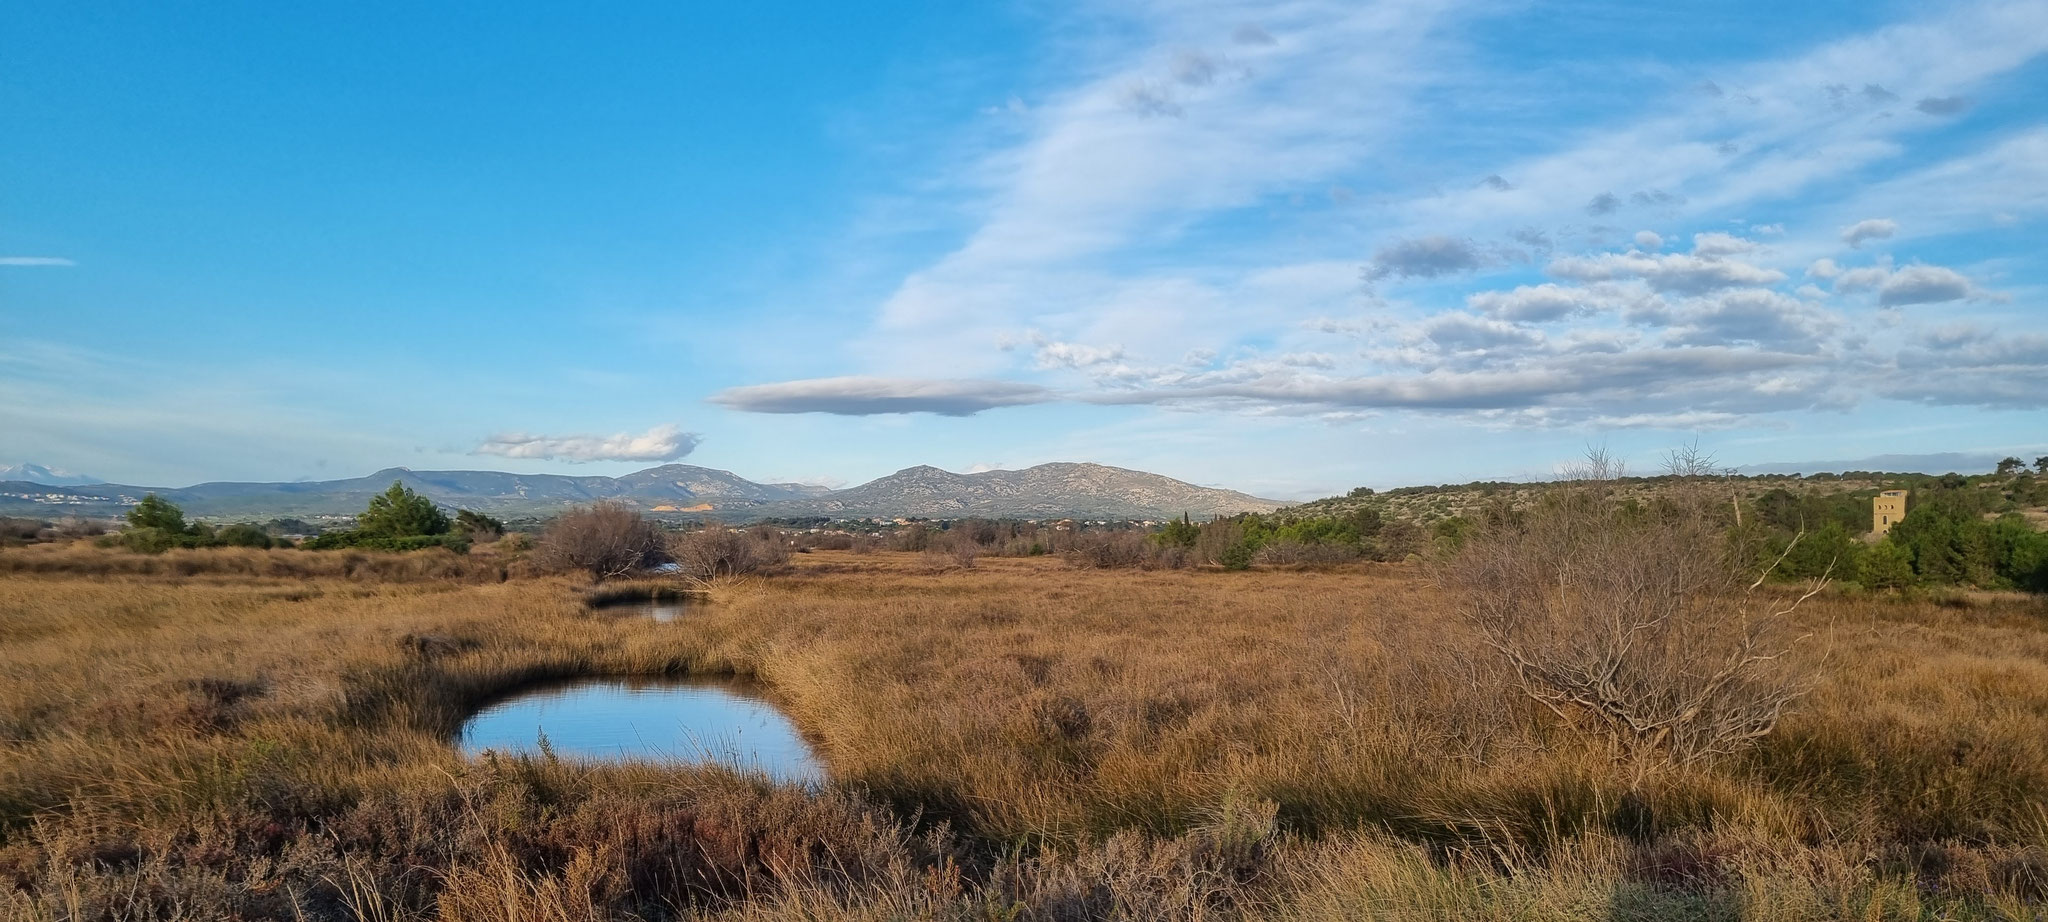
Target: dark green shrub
{"x": 338, "y": 540}
{"x": 1884, "y": 565}
{"x": 156, "y": 512}
{"x": 243, "y": 536}
{"x": 1182, "y": 533}
{"x": 2021, "y": 553}
{"x": 478, "y": 525}
{"x": 399, "y": 512}
{"x": 1948, "y": 540}
{"x": 151, "y": 540}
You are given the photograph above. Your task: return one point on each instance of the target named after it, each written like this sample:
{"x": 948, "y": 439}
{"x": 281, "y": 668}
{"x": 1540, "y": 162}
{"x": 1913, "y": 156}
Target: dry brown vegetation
{"x": 264, "y": 734}
{"x": 605, "y": 540}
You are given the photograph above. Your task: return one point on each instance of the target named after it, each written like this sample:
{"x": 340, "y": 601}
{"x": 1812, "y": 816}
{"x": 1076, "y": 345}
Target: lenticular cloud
{"x": 661, "y": 443}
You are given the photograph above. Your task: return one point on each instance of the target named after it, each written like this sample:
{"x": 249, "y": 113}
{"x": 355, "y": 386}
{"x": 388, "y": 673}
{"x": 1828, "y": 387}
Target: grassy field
{"x": 264, "y": 734}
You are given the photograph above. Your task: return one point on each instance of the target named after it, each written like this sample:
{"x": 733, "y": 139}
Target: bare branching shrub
{"x": 1125, "y": 549}
{"x": 21, "y": 529}
{"x": 1633, "y": 624}
{"x": 606, "y": 540}
{"x": 715, "y": 551}
{"x": 954, "y": 547}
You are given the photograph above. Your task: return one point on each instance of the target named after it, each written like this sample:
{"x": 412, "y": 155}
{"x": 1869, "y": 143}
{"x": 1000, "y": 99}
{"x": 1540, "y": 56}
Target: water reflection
{"x": 696, "y": 720}
{"x": 666, "y": 609}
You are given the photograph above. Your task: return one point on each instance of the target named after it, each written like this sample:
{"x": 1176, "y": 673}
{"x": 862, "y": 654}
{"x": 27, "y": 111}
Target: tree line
{"x": 398, "y": 519}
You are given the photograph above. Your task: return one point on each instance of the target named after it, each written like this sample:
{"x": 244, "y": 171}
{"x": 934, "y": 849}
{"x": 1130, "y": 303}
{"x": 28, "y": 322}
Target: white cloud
{"x": 1465, "y": 333}
{"x": 1869, "y": 229}
{"x": 661, "y": 443}
{"x": 1918, "y": 284}
{"x": 1756, "y": 316}
{"x": 1666, "y": 272}
{"x": 1823, "y": 268}
{"x": 1053, "y": 354}
{"x": 1865, "y": 278}
{"x": 1550, "y": 301}
{"x": 1649, "y": 240}
{"x": 1714, "y": 243}
{"x": 35, "y": 261}
{"x": 1425, "y": 257}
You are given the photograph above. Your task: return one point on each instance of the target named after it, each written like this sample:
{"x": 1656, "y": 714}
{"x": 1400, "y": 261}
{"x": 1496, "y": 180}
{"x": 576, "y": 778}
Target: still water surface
{"x": 664, "y": 609}
{"x": 691, "y": 720}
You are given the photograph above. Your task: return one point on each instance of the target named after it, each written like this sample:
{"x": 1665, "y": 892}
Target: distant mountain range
{"x": 1045, "y": 491}
{"x": 36, "y": 473}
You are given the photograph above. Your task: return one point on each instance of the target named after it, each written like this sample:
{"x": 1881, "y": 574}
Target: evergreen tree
{"x": 1885, "y": 566}
{"x": 156, "y": 512}
{"x": 1183, "y": 533}
{"x": 401, "y": 513}
{"x": 478, "y": 525}
{"x": 2021, "y": 553}
{"x": 1948, "y": 541}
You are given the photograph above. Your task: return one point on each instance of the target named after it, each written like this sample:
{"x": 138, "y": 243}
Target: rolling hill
{"x": 1046, "y": 491}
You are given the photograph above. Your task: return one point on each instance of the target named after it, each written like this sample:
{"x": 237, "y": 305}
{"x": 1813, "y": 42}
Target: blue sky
{"x": 1284, "y": 247}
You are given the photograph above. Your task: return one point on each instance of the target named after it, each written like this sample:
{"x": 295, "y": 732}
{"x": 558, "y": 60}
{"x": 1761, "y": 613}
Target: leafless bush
{"x": 1630, "y": 624}
{"x": 956, "y": 547}
{"x": 1398, "y": 540}
{"x": 21, "y": 529}
{"x": 1125, "y": 549}
{"x": 75, "y": 527}
{"x": 771, "y": 546}
{"x": 714, "y": 551}
{"x": 606, "y": 540}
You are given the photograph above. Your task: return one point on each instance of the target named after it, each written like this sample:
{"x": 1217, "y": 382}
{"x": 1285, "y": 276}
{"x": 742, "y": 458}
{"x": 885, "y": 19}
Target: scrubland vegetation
{"x": 1579, "y": 707}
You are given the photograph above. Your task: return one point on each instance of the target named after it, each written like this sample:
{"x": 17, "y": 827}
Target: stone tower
{"x": 1886, "y": 510}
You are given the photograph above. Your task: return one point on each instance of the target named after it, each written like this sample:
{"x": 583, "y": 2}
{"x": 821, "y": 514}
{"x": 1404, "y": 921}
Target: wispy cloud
{"x": 1098, "y": 173}
{"x": 35, "y": 261}
{"x": 661, "y": 443}
{"x": 1083, "y": 231}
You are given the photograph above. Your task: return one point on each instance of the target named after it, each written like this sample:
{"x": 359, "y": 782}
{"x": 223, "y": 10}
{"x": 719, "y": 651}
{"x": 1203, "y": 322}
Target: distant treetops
{"x": 397, "y": 519}
{"x": 156, "y": 525}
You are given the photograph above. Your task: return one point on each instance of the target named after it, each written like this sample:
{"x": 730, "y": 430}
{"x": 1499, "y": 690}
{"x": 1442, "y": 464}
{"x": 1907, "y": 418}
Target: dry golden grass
{"x": 265, "y": 734}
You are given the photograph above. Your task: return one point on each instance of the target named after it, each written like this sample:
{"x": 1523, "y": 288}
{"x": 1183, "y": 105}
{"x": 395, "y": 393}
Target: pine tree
{"x": 1885, "y": 566}
{"x": 156, "y": 512}
{"x": 401, "y": 513}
